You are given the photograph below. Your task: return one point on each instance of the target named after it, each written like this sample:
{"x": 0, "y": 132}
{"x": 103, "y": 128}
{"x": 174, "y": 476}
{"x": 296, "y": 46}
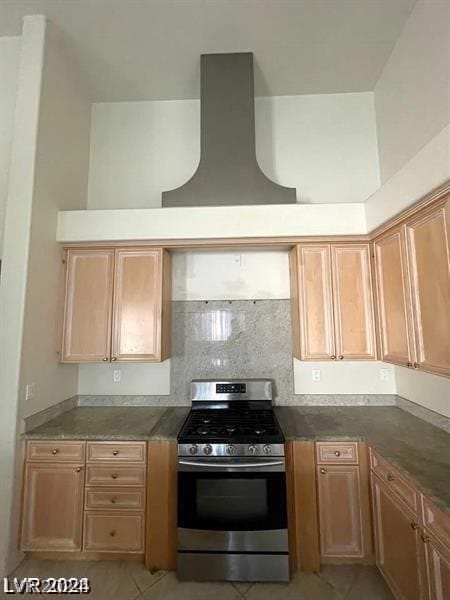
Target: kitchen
{"x": 328, "y": 299}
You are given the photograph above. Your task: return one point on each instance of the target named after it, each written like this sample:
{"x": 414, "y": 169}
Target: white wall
{"x": 48, "y": 171}
{"x": 9, "y": 65}
{"x": 425, "y": 389}
{"x": 357, "y": 377}
{"x": 325, "y": 145}
{"x": 412, "y": 93}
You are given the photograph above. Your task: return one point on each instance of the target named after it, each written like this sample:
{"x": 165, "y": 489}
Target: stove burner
{"x": 202, "y": 430}
{"x": 231, "y": 429}
{"x": 206, "y": 420}
{"x": 260, "y": 430}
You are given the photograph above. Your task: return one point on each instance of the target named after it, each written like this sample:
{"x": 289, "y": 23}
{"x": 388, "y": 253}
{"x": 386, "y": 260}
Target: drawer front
{"x": 115, "y": 475}
{"x": 115, "y": 498}
{"x": 113, "y": 532}
{"x": 395, "y": 481}
{"x": 437, "y": 521}
{"x": 56, "y": 451}
{"x": 117, "y": 452}
{"x": 331, "y": 453}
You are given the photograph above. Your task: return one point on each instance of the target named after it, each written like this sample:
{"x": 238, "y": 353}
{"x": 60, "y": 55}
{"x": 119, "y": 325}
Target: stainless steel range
{"x": 232, "y": 512}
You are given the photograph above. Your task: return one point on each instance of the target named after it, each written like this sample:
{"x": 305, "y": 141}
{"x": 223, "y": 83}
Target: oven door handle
{"x": 247, "y": 466}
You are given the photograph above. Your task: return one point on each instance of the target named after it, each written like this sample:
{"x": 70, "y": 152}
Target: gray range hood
{"x": 228, "y": 173}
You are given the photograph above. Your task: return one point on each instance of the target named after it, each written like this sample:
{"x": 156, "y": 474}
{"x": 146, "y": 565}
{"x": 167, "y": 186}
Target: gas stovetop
{"x": 231, "y": 418}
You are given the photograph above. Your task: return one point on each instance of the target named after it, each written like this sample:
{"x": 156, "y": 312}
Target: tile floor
{"x": 117, "y": 580}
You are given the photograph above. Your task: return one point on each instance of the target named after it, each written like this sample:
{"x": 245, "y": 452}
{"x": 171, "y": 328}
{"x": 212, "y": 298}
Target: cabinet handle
{"x": 341, "y": 357}
{"x": 390, "y": 477}
{"x": 115, "y": 452}
{"x": 114, "y": 476}
{"x": 113, "y": 500}
{"x": 409, "y": 364}
{"x": 337, "y": 453}
{"x": 416, "y": 366}
{"x": 78, "y": 469}
{"x": 425, "y": 538}
{"x": 323, "y": 471}
{"x": 113, "y": 358}
{"x": 112, "y": 533}
{"x": 333, "y": 357}
{"x": 414, "y": 526}
{"x": 105, "y": 359}
{"x": 55, "y": 451}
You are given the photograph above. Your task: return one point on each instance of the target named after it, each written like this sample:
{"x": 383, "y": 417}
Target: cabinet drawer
{"x": 56, "y": 451}
{"x": 117, "y": 452}
{"x": 437, "y": 521}
{"x": 113, "y": 532}
{"x": 115, "y": 475}
{"x": 331, "y": 453}
{"x": 395, "y": 481}
{"x": 115, "y": 498}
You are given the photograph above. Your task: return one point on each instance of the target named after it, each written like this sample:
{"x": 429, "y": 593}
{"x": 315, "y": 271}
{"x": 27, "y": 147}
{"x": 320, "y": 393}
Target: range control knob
{"x": 267, "y": 449}
{"x": 207, "y": 449}
{"x": 193, "y": 449}
{"x": 230, "y": 449}
{"x": 253, "y": 449}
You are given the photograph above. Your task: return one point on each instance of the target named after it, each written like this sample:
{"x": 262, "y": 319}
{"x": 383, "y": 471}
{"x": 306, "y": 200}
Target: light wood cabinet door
{"x": 340, "y": 511}
{"x": 398, "y": 545}
{"x": 438, "y": 568}
{"x": 52, "y": 507}
{"x": 353, "y": 302}
{"x": 393, "y": 299}
{"x": 312, "y": 305}
{"x": 138, "y": 305}
{"x": 428, "y": 251}
{"x": 88, "y": 304}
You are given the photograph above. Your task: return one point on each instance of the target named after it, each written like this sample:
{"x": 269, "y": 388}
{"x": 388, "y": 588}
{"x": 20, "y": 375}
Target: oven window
{"x": 231, "y": 503}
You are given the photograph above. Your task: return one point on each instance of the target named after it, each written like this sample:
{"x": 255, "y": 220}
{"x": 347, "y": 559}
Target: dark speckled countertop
{"x": 419, "y": 450}
{"x": 113, "y": 423}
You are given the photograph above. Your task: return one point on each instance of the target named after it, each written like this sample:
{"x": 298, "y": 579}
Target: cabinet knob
{"x": 425, "y": 538}
{"x": 55, "y": 451}
{"x": 416, "y": 366}
{"x": 112, "y": 533}
{"x": 115, "y": 452}
{"x": 78, "y": 469}
{"x": 333, "y": 357}
{"x": 105, "y": 359}
{"x": 409, "y": 364}
{"x": 341, "y": 357}
{"x": 113, "y": 358}
{"x": 113, "y": 500}
{"x": 390, "y": 477}
{"x": 414, "y": 526}
{"x": 114, "y": 475}
{"x": 323, "y": 471}
{"x": 337, "y": 453}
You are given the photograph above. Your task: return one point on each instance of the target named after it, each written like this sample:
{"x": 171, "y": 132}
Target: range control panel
{"x": 231, "y": 388}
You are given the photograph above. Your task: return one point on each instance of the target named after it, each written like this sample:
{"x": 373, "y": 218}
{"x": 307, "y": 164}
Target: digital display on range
{"x": 231, "y": 388}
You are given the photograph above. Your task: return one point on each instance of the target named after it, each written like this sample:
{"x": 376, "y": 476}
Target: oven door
{"x": 232, "y": 505}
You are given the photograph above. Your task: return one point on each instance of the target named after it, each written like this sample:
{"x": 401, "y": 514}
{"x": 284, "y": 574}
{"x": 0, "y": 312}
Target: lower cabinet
{"x": 52, "y": 506}
{"x": 437, "y": 567}
{"x": 398, "y": 543}
{"x": 343, "y": 502}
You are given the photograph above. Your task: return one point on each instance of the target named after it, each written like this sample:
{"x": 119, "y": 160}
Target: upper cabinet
{"x": 117, "y": 305}
{"x": 413, "y": 291}
{"x": 332, "y": 304}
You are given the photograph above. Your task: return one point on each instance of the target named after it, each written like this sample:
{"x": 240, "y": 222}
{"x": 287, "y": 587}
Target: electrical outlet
{"x": 30, "y": 391}
{"x": 316, "y": 374}
{"x": 117, "y": 375}
{"x": 384, "y": 375}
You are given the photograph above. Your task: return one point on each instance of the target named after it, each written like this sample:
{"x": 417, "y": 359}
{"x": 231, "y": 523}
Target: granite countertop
{"x": 113, "y": 423}
{"x": 419, "y": 450}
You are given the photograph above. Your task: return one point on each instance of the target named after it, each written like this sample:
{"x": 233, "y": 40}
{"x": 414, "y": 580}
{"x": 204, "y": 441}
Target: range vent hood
{"x": 228, "y": 173}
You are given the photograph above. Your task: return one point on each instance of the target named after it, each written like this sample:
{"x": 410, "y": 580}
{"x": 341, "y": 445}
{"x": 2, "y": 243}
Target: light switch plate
{"x": 30, "y": 391}
{"x": 117, "y": 375}
{"x": 384, "y": 375}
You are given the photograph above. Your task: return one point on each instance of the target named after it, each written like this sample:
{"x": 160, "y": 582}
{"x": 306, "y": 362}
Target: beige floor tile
{"x": 169, "y": 588}
{"x": 111, "y": 580}
{"x": 303, "y": 586}
{"x": 341, "y": 577}
{"x": 242, "y": 588}
{"x": 369, "y": 585}
{"x": 142, "y": 577}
